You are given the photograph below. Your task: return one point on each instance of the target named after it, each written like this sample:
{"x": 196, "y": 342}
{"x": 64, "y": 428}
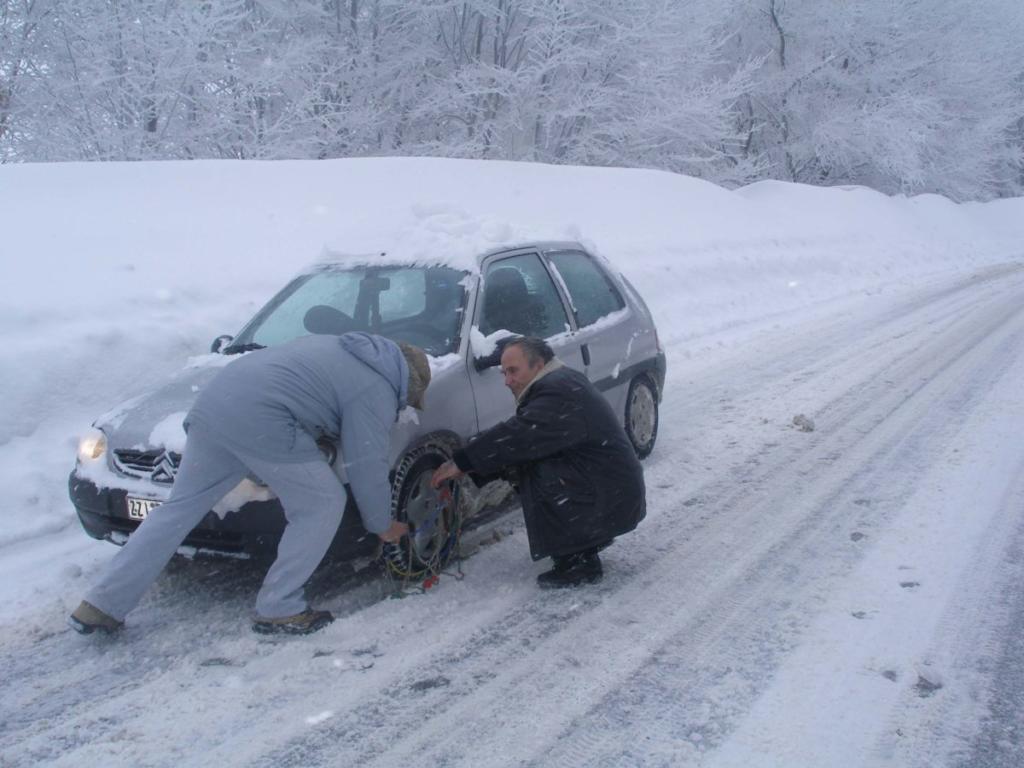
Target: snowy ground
{"x": 847, "y": 596}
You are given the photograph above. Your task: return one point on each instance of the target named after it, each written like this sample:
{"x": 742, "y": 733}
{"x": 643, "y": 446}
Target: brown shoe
{"x": 87, "y": 618}
{"x": 300, "y": 624}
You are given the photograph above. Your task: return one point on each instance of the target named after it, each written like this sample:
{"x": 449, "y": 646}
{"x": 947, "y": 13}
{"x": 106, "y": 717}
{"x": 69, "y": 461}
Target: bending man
{"x": 263, "y": 414}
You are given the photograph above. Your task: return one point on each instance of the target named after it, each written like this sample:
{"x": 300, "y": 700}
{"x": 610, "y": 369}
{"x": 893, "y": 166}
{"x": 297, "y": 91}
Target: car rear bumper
{"x": 253, "y": 530}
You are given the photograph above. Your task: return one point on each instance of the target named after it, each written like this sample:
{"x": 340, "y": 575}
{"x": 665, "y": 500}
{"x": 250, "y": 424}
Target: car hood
{"x": 154, "y": 419}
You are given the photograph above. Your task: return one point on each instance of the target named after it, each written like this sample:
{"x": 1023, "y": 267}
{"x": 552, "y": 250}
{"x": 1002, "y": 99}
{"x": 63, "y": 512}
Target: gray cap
{"x": 419, "y": 374}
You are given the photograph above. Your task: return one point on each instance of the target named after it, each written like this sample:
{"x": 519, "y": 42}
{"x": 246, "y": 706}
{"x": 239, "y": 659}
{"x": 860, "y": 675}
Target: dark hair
{"x": 535, "y": 349}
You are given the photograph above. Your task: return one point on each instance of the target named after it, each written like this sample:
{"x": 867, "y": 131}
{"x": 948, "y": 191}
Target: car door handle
{"x": 585, "y": 351}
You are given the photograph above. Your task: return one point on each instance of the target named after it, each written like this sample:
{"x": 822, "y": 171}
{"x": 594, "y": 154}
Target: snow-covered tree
{"x": 22, "y": 63}
{"x": 918, "y": 95}
{"x": 904, "y": 97}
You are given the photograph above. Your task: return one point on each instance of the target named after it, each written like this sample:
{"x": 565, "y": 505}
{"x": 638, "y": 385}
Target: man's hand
{"x": 447, "y": 471}
{"x": 395, "y": 532}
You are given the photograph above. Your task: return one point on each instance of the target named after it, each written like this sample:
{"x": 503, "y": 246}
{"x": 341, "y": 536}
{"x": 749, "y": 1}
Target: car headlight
{"x": 92, "y": 445}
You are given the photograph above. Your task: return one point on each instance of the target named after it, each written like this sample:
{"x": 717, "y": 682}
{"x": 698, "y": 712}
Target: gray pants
{"x": 311, "y": 494}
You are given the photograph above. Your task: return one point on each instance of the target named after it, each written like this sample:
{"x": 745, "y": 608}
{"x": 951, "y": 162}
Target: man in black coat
{"x": 577, "y": 475}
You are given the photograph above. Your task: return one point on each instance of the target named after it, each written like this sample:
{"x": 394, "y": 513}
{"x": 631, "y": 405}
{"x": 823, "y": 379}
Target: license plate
{"x": 139, "y": 508}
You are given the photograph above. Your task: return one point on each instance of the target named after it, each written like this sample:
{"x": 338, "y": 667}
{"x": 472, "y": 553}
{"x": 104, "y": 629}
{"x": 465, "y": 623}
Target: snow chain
{"x": 405, "y": 574}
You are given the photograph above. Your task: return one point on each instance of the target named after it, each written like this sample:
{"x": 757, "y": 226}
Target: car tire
{"x": 434, "y": 526}
{"x": 642, "y": 415}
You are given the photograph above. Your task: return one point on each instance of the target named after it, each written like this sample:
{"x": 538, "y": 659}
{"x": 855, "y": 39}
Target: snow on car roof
{"x": 469, "y": 263}
{"x": 431, "y": 237}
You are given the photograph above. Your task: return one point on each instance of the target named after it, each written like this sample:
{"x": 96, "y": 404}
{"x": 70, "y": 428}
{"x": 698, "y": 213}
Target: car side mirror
{"x": 220, "y": 342}
{"x": 489, "y": 360}
{"x": 494, "y": 346}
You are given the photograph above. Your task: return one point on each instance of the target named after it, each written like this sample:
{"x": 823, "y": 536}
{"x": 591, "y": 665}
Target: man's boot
{"x": 87, "y": 618}
{"x": 300, "y": 624}
{"x": 572, "y": 571}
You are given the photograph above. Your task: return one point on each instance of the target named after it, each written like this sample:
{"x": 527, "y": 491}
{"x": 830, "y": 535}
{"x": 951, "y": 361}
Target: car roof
{"x": 332, "y": 260}
{"x": 540, "y": 245}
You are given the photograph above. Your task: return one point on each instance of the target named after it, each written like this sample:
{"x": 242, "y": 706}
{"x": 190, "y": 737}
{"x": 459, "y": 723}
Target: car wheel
{"x": 642, "y": 415}
{"x": 434, "y": 520}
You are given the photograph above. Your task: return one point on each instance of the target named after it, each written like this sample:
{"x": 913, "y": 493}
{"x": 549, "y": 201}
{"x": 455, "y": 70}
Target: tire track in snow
{"x": 971, "y": 657}
{"x": 999, "y": 742}
{"x": 51, "y": 704}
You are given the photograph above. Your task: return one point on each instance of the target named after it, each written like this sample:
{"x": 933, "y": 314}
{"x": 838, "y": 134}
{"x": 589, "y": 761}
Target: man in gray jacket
{"x": 263, "y": 414}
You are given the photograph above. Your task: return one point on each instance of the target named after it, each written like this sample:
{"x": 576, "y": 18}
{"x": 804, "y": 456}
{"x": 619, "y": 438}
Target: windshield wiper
{"x": 237, "y": 349}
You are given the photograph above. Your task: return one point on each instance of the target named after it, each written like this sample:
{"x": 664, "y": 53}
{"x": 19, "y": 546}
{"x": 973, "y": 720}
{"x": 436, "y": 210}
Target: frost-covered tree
{"x": 629, "y": 83}
{"x": 22, "y": 62}
{"x": 918, "y": 95}
{"x": 911, "y": 96}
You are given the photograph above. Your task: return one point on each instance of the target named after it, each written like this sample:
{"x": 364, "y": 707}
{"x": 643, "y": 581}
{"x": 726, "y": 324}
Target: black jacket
{"x": 578, "y": 477}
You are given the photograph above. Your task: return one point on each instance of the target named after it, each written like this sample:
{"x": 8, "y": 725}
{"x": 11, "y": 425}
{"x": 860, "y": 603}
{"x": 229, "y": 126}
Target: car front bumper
{"x": 253, "y": 530}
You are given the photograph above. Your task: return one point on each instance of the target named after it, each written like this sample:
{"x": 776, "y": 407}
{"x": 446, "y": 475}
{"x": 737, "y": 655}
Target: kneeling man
{"x": 577, "y": 475}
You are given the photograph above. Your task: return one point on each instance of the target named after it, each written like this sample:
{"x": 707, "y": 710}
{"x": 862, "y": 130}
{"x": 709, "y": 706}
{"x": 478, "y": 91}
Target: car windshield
{"x": 418, "y": 305}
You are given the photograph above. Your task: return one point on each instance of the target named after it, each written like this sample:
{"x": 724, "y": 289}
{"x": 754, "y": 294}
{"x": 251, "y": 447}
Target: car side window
{"x": 593, "y": 294}
{"x": 519, "y": 296}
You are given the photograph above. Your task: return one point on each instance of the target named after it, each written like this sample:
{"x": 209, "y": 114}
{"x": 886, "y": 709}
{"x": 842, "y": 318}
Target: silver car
{"x": 590, "y": 314}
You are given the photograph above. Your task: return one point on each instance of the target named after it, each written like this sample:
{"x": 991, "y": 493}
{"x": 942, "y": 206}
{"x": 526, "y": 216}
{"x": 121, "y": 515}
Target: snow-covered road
{"x": 847, "y": 596}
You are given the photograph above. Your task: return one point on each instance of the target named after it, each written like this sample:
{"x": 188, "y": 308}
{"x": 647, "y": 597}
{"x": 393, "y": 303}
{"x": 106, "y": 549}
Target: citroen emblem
{"x": 164, "y": 470}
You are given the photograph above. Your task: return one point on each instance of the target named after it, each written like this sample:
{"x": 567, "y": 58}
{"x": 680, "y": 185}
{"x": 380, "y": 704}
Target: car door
{"x": 517, "y": 295}
{"x": 604, "y": 329}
